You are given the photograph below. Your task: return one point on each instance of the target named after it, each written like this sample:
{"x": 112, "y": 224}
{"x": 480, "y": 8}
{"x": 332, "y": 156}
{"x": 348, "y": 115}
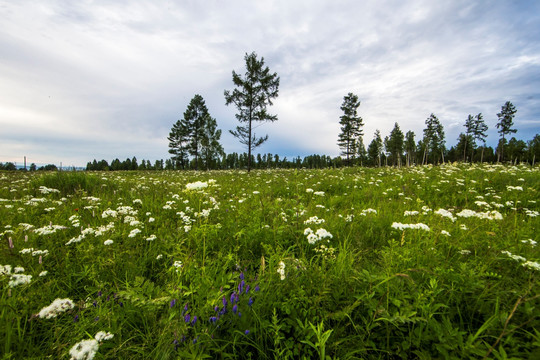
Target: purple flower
{"x": 94, "y": 303}
{"x": 247, "y": 288}
{"x": 235, "y": 308}
{"x": 241, "y": 276}
{"x": 216, "y": 308}
{"x": 241, "y": 286}
{"x": 76, "y": 318}
{"x": 257, "y": 287}
{"x": 250, "y": 302}
{"x": 187, "y": 318}
{"x": 173, "y": 302}
{"x": 99, "y": 293}
{"x": 194, "y": 321}
{"x": 233, "y": 297}
{"x": 246, "y": 332}
{"x": 96, "y": 319}
{"x": 224, "y": 301}
{"x": 213, "y": 319}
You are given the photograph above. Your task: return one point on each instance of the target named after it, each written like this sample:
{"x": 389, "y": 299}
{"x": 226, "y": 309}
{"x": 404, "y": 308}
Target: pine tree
{"x": 211, "y": 148}
{"x": 410, "y": 147}
{"x": 351, "y": 125}
{"x": 469, "y": 128}
{"x": 506, "y": 121}
{"x": 395, "y": 144}
{"x": 253, "y": 93}
{"x": 194, "y": 117}
{"x": 178, "y": 144}
{"x": 375, "y": 148}
{"x": 479, "y": 133}
{"x": 434, "y": 138}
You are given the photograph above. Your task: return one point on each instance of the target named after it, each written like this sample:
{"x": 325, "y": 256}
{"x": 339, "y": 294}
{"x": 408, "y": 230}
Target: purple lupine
{"x": 185, "y": 309}
{"x": 246, "y": 332}
{"x": 216, "y": 308}
{"x": 250, "y": 302}
{"x": 76, "y": 318}
{"x": 235, "y": 308}
{"x": 233, "y": 297}
{"x": 257, "y": 287}
{"x": 224, "y": 301}
{"x": 241, "y": 276}
{"x": 194, "y": 321}
{"x": 247, "y": 288}
{"x": 99, "y": 293}
{"x": 241, "y": 286}
{"x": 173, "y": 302}
{"x": 213, "y": 319}
{"x": 187, "y": 318}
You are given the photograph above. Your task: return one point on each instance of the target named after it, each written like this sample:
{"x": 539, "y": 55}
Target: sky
{"x": 84, "y": 80}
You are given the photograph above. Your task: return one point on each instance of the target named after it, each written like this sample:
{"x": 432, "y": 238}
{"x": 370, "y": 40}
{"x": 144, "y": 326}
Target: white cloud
{"x": 115, "y": 76}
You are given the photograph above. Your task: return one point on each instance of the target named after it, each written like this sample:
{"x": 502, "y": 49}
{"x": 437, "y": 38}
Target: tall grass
{"x": 227, "y": 271}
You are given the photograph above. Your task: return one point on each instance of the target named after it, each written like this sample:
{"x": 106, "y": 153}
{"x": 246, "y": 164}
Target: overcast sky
{"x": 107, "y": 79}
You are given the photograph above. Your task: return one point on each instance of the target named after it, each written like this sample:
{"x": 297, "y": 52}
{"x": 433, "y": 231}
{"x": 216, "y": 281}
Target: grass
{"x": 227, "y": 271}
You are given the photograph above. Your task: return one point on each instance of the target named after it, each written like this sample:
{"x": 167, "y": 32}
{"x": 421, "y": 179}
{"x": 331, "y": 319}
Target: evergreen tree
{"x": 410, "y": 147}
{"x": 395, "y": 144}
{"x": 195, "y": 117}
{"x": 360, "y": 151}
{"x": 351, "y": 125}
{"x": 434, "y": 138}
{"x": 178, "y": 144}
{"x": 506, "y": 121}
{"x": 253, "y": 93}
{"x": 468, "y": 138}
{"x": 375, "y": 148}
{"x": 211, "y": 148}
{"x": 479, "y": 133}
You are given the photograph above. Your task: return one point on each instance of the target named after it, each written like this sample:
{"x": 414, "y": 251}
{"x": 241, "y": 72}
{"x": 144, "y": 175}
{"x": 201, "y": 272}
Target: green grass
{"x": 371, "y": 292}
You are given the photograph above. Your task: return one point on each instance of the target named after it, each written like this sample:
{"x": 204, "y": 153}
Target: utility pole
{"x": 25, "y": 163}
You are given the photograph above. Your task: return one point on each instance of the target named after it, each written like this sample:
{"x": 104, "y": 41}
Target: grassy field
{"x": 421, "y": 262}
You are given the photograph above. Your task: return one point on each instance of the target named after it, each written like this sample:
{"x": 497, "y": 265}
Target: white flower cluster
{"x": 57, "y": 307}
{"x": 368, "y": 211}
{"x": 419, "y": 226}
{"x": 19, "y": 279}
{"x": 510, "y": 188}
{"x": 281, "y": 270}
{"x": 46, "y": 190}
{"x": 529, "y": 241}
{"x": 49, "y": 229}
{"x": 410, "y": 213}
{"x": 445, "y": 213}
{"x": 198, "y": 185}
{"x": 314, "y": 220}
{"x": 319, "y": 193}
{"x": 533, "y": 265}
{"x": 320, "y": 234}
{"x": 87, "y": 349}
{"x": 489, "y": 215}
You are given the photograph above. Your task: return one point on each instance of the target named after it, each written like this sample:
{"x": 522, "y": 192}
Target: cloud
{"x": 110, "y": 78}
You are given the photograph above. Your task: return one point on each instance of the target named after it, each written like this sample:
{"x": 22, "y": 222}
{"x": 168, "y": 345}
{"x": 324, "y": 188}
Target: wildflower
{"x": 309, "y": 190}
{"x": 518, "y": 188}
{"x": 444, "y": 232}
{"x": 187, "y": 318}
{"x": 19, "y": 279}
{"x": 319, "y": 193}
{"x": 410, "y": 213}
{"x": 419, "y": 226}
{"x": 464, "y": 252}
{"x": 512, "y": 256}
{"x": 281, "y": 270}
{"x": 151, "y": 238}
{"x": 172, "y": 303}
{"x": 235, "y": 308}
{"x": 445, "y": 213}
{"x": 57, "y": 307}
{"x": 102, "y": 336}
{"x": 529, "y": 241}
{"x": 314, "y": 220}
{"x": 246, "y": 332}
{"x": 198, "y": 185}
{"x": 532, "y": 265}
{"x": 159, "y": 257}
{"x": 108, "y": 242}
{"x": 250, "y": 302}
{"x": 134, "y": 233}
{"x": 84, "y": 350}
{"x": 43, "y": 273}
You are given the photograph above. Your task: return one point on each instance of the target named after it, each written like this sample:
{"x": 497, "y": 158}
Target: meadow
{"x": 355, "y": 263}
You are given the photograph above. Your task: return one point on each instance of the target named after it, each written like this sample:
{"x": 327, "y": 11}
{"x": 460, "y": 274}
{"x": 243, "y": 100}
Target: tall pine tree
{"x": 351, "y": 125}
{"x": 253, "y": 93}
{"x": 506, "y": 121}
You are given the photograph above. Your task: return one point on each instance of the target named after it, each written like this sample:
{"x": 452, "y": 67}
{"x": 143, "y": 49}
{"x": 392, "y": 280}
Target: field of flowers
{"x": 420, "y": 262}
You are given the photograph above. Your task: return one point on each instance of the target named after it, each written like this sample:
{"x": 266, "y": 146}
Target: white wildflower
{"x": 102, "y": 336}
{"x": 529, "y": 241}
{"x": 43, "y": 273}
{"x": 19, "y": 279}
{"x": 444, "y": 232}
{"x": 198, "y": 185}
{"x": 410, "y": 213}
{"x": 281, "y": 270}
{"x": 151, "y": 238}
{"x": 314, "y": 220}
{"x": 419, "y": 226}
{"x": 532, "y": 265}
{"x": 319, "y": 193}
{"x": 464, "y": 252}
{"x": 445, "y": 213}
{"x": 108, "y": 242}
{"x": 84, "y": 350}
{"x": 57, "y": 307}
